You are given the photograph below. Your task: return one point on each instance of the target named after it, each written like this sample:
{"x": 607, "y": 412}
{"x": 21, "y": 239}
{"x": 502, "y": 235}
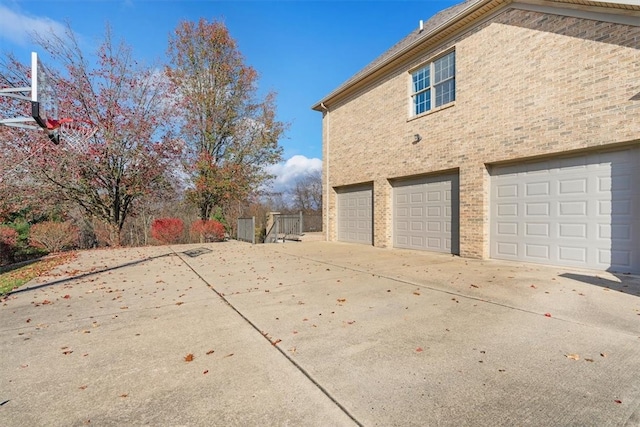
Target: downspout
{"x": 326, "y": 110}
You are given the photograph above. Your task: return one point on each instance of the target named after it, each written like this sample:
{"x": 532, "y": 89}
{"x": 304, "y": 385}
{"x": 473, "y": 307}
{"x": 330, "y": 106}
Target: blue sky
{"x": 301, "y": 49}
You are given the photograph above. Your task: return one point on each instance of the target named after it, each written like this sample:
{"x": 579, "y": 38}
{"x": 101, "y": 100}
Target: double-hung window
{"x": 434, "y": 84}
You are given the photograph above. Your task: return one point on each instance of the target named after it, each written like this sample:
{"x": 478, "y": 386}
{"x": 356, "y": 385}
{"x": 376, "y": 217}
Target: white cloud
{"x": 289, "y": 172}
{"x": 17, "y": 28}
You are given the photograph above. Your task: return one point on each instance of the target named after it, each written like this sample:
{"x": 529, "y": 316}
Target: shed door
{"x": 425, "y": 214}
{"x": 355, "y": 215}
{"x": 581, "y": 211}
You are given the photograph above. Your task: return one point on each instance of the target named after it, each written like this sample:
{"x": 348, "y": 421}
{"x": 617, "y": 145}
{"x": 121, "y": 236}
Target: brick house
{"x": 497, "y": 129}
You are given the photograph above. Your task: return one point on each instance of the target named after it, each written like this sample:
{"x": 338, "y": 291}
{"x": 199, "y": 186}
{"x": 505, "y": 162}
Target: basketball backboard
{"x": 44, "y": 102}
{"x": 42, "y": 98}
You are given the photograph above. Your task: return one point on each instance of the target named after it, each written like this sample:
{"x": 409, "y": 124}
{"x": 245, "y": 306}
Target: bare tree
{"x": 307, "y": 193}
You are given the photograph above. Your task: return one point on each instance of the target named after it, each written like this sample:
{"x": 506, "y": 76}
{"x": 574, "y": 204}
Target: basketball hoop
{"x": 75, "y": 134}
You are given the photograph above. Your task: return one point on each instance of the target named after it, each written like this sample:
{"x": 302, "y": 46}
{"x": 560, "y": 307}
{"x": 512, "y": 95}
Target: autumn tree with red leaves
{"x": 231, "y": 134}
{"x": 133, "y": 151}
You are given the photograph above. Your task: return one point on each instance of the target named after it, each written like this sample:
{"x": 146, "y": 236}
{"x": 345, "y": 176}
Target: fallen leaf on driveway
{"x": 189, "y": 357}
{"x": 589, "y": 360}
{"x": 206, "y": 371}
{"x": 342, "y": 299}
{"x": 416, "y": 293}
{"x": 124, "y": 395}
{"x": 547, "y": 315}
{"x": 618, "y": 401}
{"x": 229, "y": 355}
{"x": 572, "y": 356}
{"x": 419, "y": 350}
{"x": 210, "y": 352}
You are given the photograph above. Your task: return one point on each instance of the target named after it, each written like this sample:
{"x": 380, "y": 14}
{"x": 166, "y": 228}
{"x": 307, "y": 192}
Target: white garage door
{"x": 581, "y": 211}
{"x": 425, "y": 214}
{"x": 355, "y": 214}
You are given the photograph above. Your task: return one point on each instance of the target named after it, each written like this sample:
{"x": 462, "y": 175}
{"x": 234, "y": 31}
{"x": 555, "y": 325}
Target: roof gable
{"x": 447, "y": 21}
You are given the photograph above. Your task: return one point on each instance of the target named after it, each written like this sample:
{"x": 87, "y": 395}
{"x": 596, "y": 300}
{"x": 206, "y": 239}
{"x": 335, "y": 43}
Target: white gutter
{"x": 326, "y": 160}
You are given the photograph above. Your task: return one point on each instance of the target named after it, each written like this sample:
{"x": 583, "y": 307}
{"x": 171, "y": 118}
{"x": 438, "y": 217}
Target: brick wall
{"x": 527, "y": 84}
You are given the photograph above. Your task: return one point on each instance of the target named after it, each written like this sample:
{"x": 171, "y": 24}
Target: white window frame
{"x": 433, "y": 89}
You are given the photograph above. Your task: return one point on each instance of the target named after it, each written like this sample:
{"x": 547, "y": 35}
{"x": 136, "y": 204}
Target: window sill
{"x": 433, "y": 111}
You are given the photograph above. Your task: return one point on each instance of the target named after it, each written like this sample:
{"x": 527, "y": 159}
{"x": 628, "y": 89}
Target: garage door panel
{"x": 507, "y": 209}
{"x": 416, "y": 241}
{"x": 429, "y": 203}
{"x": 417, "y": 226}
{"x": 434, "y": 196}
{"x": 507, "y": 228}
{"x": 538, "y": 188}
{"x": 585, "y": 210}
{"x": 572, "y": 254}
{"x": 537, "y": 251}
{"x": 510, "y": 190}
{"x": 569, "y": 231}
{"x": 575, "y": 208}
{"x": 416, "y": 198}
{"x": 417, "y": 212}
{"x": 435, "y": 244}
{"x": 537, "y": 229}
{"x": 355, "y": 215}
{"x": 434, "y": 226}
{"x": 620, "y": 257}
{"x": 537, "y": 209}
{"x": 506, "y": 250}
{"x": 572, "y": 186}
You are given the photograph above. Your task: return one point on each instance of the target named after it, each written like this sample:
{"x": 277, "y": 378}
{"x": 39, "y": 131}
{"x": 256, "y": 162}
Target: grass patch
{"x": 12, "y": 277}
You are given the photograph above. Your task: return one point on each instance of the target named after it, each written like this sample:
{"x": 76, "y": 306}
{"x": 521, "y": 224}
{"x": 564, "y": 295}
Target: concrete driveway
{"x": 318, "y": 334}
